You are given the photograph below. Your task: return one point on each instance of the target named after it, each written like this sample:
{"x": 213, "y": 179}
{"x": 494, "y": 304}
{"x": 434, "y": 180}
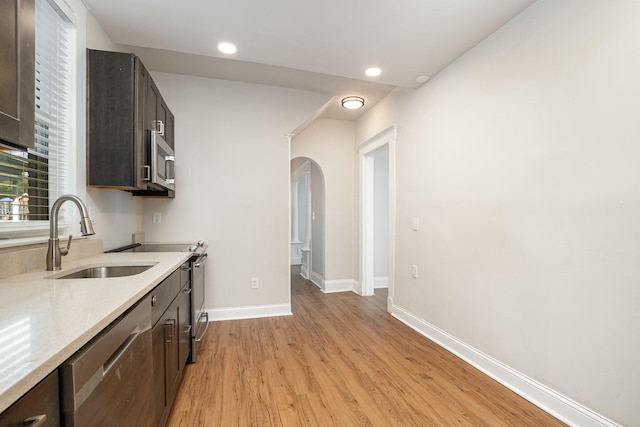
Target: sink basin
{"x": 106, "y": 271}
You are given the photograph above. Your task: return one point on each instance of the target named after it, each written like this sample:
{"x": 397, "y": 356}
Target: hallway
{"x": 340, "y": 360}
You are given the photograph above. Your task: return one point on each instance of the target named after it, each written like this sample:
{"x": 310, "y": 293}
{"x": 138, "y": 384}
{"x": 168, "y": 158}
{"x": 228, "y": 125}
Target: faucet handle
{"x": 64, "y": 251}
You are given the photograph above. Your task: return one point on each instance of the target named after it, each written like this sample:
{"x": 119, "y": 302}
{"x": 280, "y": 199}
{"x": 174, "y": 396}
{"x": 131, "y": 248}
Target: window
{"x": 31, "y": 181}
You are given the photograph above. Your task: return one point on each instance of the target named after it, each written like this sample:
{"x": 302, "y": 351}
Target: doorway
{"x": 308, "y": 219}
{"x": 377, "y": 213}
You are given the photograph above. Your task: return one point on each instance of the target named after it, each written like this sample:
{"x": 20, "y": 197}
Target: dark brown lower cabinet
{"x": 169, "y": 343}
{"x": 170, "y": 346}
{"x": 40, "y": 404}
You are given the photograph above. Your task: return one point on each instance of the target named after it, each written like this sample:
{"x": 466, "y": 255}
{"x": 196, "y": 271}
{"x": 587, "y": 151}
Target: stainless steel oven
{"x": 199, "y": 316}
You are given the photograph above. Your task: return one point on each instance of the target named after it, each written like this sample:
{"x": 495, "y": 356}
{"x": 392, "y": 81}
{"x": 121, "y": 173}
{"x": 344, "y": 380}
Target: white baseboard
{"x": 380, "y": 282}
{"x": 342, "y": 285}
{"x": 357, "y": 287}
{"x": 316, "y": 279}
{"x": 558, "y": 405}
{"x": 251, "y": 312}
{"x": 331, "y": 286}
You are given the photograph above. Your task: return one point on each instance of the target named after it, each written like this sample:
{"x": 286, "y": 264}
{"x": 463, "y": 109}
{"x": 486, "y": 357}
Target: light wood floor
{"x": 340, "y": 360}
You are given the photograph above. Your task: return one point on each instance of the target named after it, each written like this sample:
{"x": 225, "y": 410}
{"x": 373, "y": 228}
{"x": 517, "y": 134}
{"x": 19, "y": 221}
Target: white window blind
{"x": 31, "y": 181}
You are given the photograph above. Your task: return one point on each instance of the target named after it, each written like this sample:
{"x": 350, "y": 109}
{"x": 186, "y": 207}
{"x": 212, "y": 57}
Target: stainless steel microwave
{"x": 160, "y": 164}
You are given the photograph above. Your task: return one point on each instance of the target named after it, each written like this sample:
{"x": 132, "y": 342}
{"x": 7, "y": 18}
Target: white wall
{"x": 232, "y": 184}
{"x": 521, "y": 160}
{"x": 330, "y": 144}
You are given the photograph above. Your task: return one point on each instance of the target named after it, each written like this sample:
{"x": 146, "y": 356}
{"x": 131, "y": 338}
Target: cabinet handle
{"x": 205, "y": 314}
{"x": 146, "y": 173}
{"x": 113, "y": 359}
{"x": 160, "y": 127}
{"x": 187, "y": 291}
{"x": 36, "y": 421}
{"x": 154, "y": 300}
{"x": 171, "y": 324}
{"x": 187, "y": 329}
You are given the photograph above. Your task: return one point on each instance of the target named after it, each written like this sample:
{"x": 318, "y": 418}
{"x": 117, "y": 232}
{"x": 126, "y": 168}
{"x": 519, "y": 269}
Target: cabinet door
{"x": 140, "y": 137}
{"x": 159, "y": 395}
{"x": 159, "y": 117}
{"x": 172, "y": 359}
{"x": 165, "y": 361}
{"x": 115, "y": 133}
{"x": 17, "y": 68}
{"x": 151, "y": 105}
{"x": 40, "y": 404}
{"x": 164, "y": 114}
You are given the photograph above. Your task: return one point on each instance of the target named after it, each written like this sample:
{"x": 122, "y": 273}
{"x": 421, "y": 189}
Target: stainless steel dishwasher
{"x": 109, "y": 382}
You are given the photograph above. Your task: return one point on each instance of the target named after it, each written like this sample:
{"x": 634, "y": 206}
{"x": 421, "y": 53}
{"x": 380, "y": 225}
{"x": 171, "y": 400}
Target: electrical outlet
{"x": 157, "y": 218}
{"x": 414, "y": 271}
{"x": 255, "y": 284}
{"x": 415, "y": 224}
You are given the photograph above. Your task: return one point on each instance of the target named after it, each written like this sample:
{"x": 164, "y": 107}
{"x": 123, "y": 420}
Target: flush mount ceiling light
{"x": 228, "y": 48}
{"x": 373, "y": 72}
{"x": 353, "y": 102}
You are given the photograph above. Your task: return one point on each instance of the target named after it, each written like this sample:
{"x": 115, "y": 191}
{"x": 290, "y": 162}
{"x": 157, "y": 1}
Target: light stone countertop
{"x": 44, "y": 321}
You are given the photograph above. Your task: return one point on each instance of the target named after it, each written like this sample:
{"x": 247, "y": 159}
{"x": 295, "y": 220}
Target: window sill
{"x": 24, "y": 233}
{"x": 28, "y": 241}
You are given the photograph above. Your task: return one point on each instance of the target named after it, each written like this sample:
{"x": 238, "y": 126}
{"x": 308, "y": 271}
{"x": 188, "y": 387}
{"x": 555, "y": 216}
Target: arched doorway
{"x": 308, "y": 219}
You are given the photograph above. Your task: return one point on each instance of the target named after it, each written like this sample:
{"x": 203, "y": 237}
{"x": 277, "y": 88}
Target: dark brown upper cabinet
{"x": 17, "y": 73}
{"x": 159, "y": 117}
{"x": 122, "y": 106}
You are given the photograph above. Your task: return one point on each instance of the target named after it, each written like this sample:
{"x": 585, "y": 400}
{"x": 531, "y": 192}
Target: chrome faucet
{"x": 54, "y": 253}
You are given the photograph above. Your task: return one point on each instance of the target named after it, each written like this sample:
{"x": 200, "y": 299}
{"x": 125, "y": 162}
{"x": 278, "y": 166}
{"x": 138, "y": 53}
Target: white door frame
{"x": 305, "y": 246}
{"x": 386, "y": 137}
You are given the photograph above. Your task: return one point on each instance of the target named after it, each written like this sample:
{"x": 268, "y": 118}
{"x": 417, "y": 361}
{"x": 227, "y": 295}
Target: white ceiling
{"x": 319, "y": 45}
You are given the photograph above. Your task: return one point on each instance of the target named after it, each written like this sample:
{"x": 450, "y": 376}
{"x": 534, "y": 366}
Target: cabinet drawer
{"x": 42, "y": 400}
{"x": 164, "y": 294}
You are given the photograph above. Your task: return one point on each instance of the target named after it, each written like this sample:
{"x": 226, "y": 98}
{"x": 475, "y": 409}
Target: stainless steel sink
{"x": 106, "y": 271}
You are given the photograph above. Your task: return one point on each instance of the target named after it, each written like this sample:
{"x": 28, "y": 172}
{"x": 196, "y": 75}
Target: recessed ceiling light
{"x": 422, "y": 79}
{"x": 228, "y": 48}
{"x": 373, "y": 71}
{"x": 353, "y": 102}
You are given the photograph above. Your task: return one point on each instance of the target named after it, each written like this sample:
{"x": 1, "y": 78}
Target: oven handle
{"x": 196, "y": 263}
{"x": 199, "y": 339}
{"x": 167, "y": 159}
{"x": 154, "y": 152}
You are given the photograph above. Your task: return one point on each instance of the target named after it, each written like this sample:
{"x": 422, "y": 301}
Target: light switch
{"x": 414, "y": 271}
{"x": 415, "y": 224}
